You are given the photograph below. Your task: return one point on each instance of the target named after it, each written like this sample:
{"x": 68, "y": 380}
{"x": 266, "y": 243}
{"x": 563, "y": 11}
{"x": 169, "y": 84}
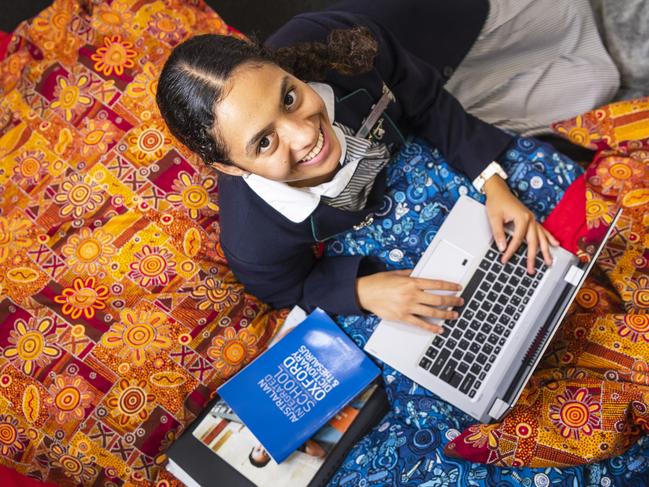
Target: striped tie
{"x": 371, "y": 157}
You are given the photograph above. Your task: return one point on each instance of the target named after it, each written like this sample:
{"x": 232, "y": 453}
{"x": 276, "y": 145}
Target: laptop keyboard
{"x": 494, "y": 299}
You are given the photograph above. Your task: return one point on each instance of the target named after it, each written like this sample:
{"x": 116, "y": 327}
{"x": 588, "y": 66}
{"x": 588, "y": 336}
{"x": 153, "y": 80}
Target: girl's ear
{"x": 229, "y": 169}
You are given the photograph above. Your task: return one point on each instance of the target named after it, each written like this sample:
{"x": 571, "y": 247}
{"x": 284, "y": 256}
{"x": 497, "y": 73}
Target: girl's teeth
{"x": 316, "y": 150}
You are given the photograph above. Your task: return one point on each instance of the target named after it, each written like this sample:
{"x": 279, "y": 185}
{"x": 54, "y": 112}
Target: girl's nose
{"x": 300, "y": 135}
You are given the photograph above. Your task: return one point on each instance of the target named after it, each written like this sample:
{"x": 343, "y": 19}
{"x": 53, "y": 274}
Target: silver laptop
{"x": 482, "y": 361}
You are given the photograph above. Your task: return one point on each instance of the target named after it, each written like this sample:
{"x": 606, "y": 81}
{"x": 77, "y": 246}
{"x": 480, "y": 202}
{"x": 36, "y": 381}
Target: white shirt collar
{"x": 297, "y": 204}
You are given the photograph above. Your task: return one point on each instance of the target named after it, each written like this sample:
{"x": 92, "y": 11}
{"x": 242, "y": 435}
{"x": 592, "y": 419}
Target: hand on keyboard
{"x": 396, "y": 296}
{"x": 503, "y": 207}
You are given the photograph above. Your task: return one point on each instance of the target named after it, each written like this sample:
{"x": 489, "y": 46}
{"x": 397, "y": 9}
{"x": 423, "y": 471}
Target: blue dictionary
{"x": 291, "y": 390}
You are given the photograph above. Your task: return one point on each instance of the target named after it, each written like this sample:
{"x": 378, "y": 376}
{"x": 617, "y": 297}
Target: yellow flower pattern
{"x": 144, "y": 86}
{"x": 71, "y": 94}
{"x": 166, "y": 28}
{"x": 83, "y": 298}
{"x": 78, "y": 197}
{"x": 597, "y": 210}
{"x": 114, "y": 56}
{"x": 70, "y": 396}
{"x": 89, "y": 251}
{"x": 195, "y": 193}
{"x": 31, "y": 344}
{"x": 152, "y": 266}
{"x": 111, "y": 19}
{"x": 129, "y": 402}
{"x": 575, "y": 413}
{"x": 12, "y": 437}
{"x": 75, "y": 466}
{"x": 148, "y": 143}
{"x": 232, "y": 349}
{"x": 31, "y": 166}
{"x": 140, "y": 335}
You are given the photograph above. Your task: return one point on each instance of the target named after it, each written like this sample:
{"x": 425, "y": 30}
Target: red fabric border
{"x": 567, "y": 222}
{"x": 11, "y": 478}
{"x": 4, "y": 44}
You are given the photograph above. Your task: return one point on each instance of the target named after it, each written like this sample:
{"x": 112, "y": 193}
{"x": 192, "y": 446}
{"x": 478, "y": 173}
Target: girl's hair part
{"x": 194, "y": 78}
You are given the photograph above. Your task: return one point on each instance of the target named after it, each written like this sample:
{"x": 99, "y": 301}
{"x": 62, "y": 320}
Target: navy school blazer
{"x": 273, "y": 257}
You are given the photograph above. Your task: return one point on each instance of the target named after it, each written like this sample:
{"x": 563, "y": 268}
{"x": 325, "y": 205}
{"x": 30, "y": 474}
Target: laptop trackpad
{"x": 449, "y": 263}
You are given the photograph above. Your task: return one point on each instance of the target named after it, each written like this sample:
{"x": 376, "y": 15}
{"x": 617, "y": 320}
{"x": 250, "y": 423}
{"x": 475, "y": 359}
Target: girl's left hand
{"x": 503, "y": 207}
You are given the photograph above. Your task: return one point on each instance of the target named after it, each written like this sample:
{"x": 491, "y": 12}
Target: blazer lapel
{"x": 352, "y": 108}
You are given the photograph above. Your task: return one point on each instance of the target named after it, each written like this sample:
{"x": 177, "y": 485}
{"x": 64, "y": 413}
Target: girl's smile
{"x": 318, "y": 153}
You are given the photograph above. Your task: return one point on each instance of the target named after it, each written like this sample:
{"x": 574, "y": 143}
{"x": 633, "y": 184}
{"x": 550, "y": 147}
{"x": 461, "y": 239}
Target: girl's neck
{"x": 325, "y": 178}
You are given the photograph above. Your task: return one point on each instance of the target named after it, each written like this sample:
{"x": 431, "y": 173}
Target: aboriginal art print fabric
{"x": 118, "y": 314}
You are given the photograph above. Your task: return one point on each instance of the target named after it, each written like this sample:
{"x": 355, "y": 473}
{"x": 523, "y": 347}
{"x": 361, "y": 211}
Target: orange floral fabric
{"x": 118, "y": 314}
{"x": 588, "y": 400}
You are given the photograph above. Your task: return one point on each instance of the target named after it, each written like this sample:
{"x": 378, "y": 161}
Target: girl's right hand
{"x": 395, "y": 296}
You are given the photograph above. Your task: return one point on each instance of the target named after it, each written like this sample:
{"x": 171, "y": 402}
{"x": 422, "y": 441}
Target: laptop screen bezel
{"x": 555, "y": 318}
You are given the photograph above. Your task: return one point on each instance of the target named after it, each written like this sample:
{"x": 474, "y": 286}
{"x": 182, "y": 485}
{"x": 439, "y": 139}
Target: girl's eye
{"x": 264, "y": 143}
{"x": 290, "y": 98}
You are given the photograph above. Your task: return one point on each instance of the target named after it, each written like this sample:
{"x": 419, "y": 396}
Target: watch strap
{"x": 492, "y": 169}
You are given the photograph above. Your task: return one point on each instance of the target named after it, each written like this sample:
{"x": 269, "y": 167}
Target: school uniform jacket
{"x": 272, "y": 256}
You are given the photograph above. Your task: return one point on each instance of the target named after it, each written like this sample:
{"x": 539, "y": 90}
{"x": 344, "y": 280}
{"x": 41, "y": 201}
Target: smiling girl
{"x": 281, "y": 124}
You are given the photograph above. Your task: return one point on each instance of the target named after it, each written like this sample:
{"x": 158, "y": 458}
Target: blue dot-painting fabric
{"x": 406, "y": 447}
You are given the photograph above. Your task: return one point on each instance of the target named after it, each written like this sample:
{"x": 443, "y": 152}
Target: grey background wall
{"x": 12, "y": 12}
{"x": 263, "y": 17}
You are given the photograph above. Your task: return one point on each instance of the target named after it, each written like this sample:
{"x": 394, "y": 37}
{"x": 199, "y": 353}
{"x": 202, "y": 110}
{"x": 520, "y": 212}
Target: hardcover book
{"x": 290, "y": 391}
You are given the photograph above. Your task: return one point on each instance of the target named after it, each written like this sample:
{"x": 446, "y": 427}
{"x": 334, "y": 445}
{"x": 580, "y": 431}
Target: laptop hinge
{"x": 498, "y": 408}
{"x": 574, "y": 275}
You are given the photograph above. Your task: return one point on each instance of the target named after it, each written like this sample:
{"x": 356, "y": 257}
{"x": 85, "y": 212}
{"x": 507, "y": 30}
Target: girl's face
{"x": 276, "y": 126}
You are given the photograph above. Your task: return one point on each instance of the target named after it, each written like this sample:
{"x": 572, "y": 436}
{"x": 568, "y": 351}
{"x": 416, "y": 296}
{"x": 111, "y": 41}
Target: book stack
{"x": 289, "y": 417}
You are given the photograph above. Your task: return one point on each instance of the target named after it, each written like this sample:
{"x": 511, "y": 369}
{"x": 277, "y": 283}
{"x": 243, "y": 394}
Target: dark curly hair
{"x": 194, "y": 76}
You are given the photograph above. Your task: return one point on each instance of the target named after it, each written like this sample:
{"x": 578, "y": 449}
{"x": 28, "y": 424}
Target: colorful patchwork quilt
{"x": 118, "y": 314}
